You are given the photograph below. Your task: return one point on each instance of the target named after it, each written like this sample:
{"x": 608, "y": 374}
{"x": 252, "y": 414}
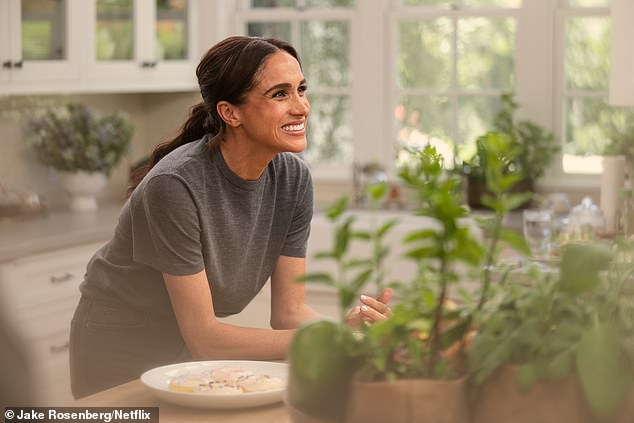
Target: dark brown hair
{"x": 226, "y": 72}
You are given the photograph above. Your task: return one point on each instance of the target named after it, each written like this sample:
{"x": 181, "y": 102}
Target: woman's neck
{"x": 244, "y": 160}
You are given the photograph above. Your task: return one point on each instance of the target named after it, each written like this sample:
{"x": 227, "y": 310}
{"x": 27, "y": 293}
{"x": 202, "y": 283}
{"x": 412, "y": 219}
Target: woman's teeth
{"x": 298, "y": 127}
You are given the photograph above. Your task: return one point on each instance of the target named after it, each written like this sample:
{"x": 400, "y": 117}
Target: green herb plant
{"x": 410, "y": 343}
{"x": 325, "y": 354}
{"x": 577, "y": 320}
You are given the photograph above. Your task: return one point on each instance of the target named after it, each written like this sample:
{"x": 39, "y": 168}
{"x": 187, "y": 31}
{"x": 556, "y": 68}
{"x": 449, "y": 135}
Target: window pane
{"x": 115, "y": 30}
{"x": 587, "y": 53}
{"x": 171, "y": 29}
{"x": 329, "y": 131}
{"x": 590, "y": 3}
{"x": 425, "y": 54}
{"x": 444, "y": 3}
{"x": 495, "y": 3}
{"x": 329, "y": 3}
{"x": 280, "y": 30}
{"x": 423, "y": 120}
{"x": 485, "y": 53}
{"x": 43, "y": 29}
{"x": 475, "y": 118}
{"x": 273, "y": 3}
{"x": 325, "y": 50}
{"x": 588, "y": 125}
{"x": 301, "y": 3}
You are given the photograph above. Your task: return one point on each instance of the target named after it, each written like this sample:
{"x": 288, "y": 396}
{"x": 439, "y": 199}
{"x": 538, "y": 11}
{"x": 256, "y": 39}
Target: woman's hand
{"x": 370, "y": 310}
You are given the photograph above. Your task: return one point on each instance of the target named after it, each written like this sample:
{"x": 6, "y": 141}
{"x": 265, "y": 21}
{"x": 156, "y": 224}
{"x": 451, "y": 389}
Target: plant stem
{"x": 434, "y": 338}
{"x": 486, "y": 283}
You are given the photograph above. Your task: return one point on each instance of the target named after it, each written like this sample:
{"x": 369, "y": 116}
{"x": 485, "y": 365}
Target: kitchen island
{"x": 134, "y": 394}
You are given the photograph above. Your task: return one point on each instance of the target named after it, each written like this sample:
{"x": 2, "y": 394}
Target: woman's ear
{"x": 228, "y": 113}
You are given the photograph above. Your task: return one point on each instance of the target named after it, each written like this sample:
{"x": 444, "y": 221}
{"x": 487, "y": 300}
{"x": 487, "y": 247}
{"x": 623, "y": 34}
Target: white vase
{"x": 83, "y": 187}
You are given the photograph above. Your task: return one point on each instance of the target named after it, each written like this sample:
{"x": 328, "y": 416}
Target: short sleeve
{"x": 296, "y": 241}
{"x": 166, "y": 227}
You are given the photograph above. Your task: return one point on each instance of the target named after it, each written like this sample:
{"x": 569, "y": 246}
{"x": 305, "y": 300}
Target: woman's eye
{"x": 280, "y": 93}
{"x": 302, "y": 89}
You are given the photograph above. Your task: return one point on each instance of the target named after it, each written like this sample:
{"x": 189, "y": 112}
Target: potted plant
{"x": 559, "y": 347}
{"x": 82, "y": 145}
{"x": 416, "y": 358}
{"x": 535, "y": 149}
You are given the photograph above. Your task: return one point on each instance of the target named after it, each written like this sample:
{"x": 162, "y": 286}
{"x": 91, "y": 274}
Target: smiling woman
{"x": 221, "y": 208}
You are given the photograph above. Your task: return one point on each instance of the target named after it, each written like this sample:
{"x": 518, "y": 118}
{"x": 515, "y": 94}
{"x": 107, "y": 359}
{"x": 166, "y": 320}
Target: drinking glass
{"x": 537, "y": 231}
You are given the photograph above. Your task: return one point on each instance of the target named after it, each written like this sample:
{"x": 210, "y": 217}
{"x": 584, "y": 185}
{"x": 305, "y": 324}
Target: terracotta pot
{"x": 501, "y": 400}
{"x": 409, "y": 401}
{"x": 625, "y": 413}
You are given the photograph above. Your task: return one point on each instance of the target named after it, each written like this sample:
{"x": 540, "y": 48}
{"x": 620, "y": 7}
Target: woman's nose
{"x": 301, "y": 105}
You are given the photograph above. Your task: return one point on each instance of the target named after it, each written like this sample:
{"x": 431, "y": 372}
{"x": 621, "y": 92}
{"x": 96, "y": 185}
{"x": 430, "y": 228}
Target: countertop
{"x": 134, "y": 394}
{"x": 55, "y": 229}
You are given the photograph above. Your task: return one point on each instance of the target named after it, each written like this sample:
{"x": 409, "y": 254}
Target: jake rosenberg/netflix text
{"x": 76, "y": 414}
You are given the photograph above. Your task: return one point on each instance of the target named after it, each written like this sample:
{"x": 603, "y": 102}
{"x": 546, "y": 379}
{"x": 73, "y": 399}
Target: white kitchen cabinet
{"x": 39, "y": 44}
{"x": 39, "y": 294}
{"x": 141, "y": 45}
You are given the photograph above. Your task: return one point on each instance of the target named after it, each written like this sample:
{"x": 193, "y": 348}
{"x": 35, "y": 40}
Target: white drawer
{"x": 50, "y": 369}
{"x": 45, "y": 278}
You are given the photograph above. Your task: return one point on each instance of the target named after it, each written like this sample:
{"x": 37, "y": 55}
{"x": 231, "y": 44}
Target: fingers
{"x": 385, "y": 296}
{"x": 369, "y": 304}
{"x": 371, "y": 309}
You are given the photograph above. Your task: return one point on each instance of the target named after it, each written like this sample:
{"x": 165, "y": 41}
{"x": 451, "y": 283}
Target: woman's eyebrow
{"x": 284, "y": 85}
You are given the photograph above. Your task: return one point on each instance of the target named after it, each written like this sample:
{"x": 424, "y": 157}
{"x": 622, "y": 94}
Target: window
{"x": 587, "y": 118}
{"x": 321, "y": 32}
{"x": 388, "y": 74}
{"x": 453, "y": 60}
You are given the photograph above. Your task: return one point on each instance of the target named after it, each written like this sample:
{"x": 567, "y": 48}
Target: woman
{"x": 224, "y": 207}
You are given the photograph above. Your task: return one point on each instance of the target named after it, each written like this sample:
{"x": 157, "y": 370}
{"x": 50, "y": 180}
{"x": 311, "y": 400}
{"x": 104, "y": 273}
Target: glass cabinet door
{"x": 143, "y": 42}
{"x": 171, "y": 30}
{"x": 41, "y": 46}
{"x": 5, "y": 55}
{"x": 43, "y": 30}
{"x": 114, "y": 30}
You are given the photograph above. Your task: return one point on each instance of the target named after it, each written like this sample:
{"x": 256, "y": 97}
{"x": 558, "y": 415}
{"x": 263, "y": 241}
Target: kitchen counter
{"x": 56, "y": 229}
{"x": 134, "y": 394}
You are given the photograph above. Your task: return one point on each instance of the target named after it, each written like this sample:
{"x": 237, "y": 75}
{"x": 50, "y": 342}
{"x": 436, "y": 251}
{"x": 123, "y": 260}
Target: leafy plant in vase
{"x": 82, "y": 145}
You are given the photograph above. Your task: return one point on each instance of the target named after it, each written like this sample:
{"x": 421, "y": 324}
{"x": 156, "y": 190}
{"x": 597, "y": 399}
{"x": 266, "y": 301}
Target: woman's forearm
{"x": 223, "y": 341}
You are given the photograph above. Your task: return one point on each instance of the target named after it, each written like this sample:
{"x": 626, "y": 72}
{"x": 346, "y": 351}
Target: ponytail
{"x": 198, "y": 124}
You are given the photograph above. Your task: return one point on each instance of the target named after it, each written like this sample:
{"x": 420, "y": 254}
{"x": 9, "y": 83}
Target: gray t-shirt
{"x": 190, "y": 213}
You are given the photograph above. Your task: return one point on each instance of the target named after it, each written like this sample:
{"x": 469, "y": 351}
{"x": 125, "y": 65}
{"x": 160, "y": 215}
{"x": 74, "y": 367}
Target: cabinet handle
{"x": 18, "y": 65}
{"x": 148, "y": 64}
{"x": 7, "y": 64}
{"x": 54, "y": 349}
{"x": 59, "y": 279}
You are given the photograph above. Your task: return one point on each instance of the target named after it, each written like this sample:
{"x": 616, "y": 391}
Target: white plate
{"x": 156, "y": 381}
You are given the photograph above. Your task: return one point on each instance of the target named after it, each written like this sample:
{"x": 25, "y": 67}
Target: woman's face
{"x": 276, "y": 109}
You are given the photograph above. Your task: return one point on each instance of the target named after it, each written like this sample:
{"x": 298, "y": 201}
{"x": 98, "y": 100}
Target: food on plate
{"x": 223, "y": 380}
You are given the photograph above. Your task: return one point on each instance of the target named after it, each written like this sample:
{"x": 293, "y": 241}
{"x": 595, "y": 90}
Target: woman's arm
{"x": 288, "y": 297}
{"x": 208, "y": 338}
